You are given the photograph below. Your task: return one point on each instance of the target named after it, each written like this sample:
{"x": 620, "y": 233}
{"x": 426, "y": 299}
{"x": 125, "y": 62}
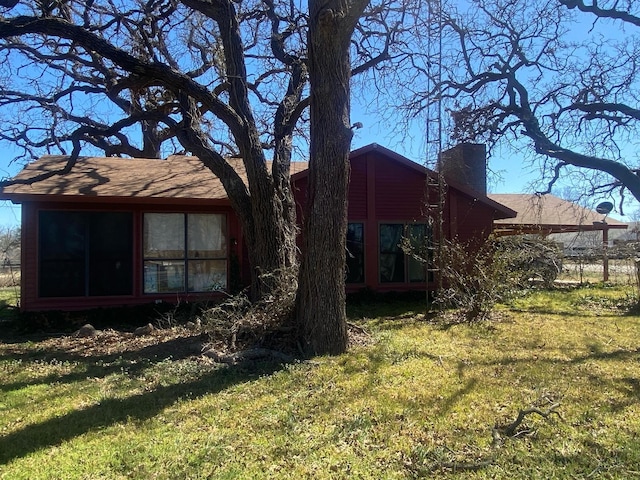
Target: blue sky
{"x": 9, "y": 213}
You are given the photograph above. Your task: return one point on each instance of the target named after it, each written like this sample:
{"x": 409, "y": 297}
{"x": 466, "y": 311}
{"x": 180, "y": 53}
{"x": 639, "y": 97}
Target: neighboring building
{"x": 548, "y": 214}
{"x": 119, "y": 231}
{"x": 580, "y": 231}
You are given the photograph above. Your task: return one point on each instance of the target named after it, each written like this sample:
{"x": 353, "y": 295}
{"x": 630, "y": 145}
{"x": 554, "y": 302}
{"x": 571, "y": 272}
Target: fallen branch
{"x": 511, "y": 430}
{"x": 252, "y": 354}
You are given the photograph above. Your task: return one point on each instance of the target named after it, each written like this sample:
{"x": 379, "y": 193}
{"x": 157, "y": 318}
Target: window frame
{"x": 407, "y": 261}
{"x": 183, "y": 261}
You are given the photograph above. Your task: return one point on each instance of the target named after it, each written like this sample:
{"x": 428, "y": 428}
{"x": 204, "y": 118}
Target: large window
{"x": 85, "y": 253}
{"x": 355, "y": 253}
{"x": 184, "y": 252}
{"x": 395, "y": 265}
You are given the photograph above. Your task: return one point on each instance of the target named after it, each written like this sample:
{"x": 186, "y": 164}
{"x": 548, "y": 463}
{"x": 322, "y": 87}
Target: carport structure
{"x": 547, "y": 214}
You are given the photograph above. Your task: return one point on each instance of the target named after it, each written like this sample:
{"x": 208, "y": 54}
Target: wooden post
{"x": 605, "y": 253}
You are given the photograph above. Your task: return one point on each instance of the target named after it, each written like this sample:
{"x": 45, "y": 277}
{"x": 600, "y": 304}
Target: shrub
{"x": 472, "y": 279}
{"x": 530, "y": 260}
{"x": 476, "y": 277}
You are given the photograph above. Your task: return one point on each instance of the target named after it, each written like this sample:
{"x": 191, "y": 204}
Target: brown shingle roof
{"x": 548, "y": 214}
{"x": 177, "y": 177}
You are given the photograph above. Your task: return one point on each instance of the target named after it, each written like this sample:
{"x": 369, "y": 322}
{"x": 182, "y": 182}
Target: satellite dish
{"x": 604, "y": 208}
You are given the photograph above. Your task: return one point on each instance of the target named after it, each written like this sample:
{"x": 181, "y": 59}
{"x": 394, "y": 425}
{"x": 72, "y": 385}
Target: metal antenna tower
{"x": 435, "y": 188}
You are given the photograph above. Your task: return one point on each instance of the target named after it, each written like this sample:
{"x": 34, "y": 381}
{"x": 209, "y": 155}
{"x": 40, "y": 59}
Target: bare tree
{"x": 560, "y": 77}
{"x": 10, "y": 245}
{"x": 213, "y": 78}
{"x": 86, "y": 73}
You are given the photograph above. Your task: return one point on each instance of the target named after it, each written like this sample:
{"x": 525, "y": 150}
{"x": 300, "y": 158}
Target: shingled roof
{"x": 548, "y": 214}
{"x": 177, "y": 177}
{"x": 180, "y": 179}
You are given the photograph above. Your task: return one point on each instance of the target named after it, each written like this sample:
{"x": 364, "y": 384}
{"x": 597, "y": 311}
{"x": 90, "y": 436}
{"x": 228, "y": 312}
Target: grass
{"x": 420, "y": 401}
{"x": 9, "y": 301}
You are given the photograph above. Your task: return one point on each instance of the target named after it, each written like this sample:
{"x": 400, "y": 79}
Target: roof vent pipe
{"x": 466, "y": 163}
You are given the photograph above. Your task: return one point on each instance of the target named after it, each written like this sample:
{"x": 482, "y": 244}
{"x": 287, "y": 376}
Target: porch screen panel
{"x": 62, "y": 248}
{"x": 206, "y": 236}
{"x": 85, "y": 253}
{"x": 110, "y": 254}
{"x": 206, "y": 252}
{"x": 164, "y": 235}
{"x": 207, "y": 275}
{"x": 164, "y": 238}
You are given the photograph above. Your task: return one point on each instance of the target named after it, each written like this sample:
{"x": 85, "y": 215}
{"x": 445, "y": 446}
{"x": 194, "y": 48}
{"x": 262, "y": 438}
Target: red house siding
{"x": 29, "y": 266}
{"x": 400, "y": 192}
{"x": 358, "y": 189}
{"x": 385, "y": 190}
{"x": 300, "y": 195}
{"x": 473, "y": 220}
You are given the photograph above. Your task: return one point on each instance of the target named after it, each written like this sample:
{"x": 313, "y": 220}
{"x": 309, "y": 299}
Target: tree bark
{"x": 321, "y": 292}
{"x": 270, "y": 237}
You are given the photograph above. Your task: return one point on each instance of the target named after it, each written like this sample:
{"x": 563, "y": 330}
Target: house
{"x": 117, "y": 231}
{"x": 581, "y": 231}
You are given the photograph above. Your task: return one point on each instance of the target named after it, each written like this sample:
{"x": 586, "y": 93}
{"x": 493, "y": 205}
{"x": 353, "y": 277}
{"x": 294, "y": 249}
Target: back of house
{"x": 116, "y": 231}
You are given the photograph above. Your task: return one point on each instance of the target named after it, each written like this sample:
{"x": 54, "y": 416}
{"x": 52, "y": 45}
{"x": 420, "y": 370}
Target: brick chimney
{"x": 466, "y": 163}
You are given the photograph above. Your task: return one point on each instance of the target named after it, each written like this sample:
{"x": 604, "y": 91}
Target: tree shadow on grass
{"x": 371, "y": 305}
{"x": 449, "y": 402}
{"x": 108, "y": 412}
{"x": 598, "y": 354}
{"x": 8, "y": 314}
{"x": 551, "y": 311}
{"x": 100, "y": 366}
{"x": 97, "y": 350}
{"x": 594, "y": 354}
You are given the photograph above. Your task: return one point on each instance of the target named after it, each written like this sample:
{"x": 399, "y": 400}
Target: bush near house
{"x": 476, "y": 278}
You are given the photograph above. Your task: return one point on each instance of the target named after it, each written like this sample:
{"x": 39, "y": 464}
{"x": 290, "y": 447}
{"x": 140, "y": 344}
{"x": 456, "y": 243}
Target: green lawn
{"x": 420, "y": 400}
{"x": 9, "y": 301}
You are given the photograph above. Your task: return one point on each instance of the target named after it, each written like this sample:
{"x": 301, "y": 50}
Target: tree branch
{"x": 511, "y": 429}
{"x": 155, "y": 72}
{"x": 602, "y": 13}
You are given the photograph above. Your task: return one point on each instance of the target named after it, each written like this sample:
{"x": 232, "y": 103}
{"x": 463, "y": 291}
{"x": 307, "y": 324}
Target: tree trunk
{"x": 321, "y": 293}
{"x": 271, "y": 242}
